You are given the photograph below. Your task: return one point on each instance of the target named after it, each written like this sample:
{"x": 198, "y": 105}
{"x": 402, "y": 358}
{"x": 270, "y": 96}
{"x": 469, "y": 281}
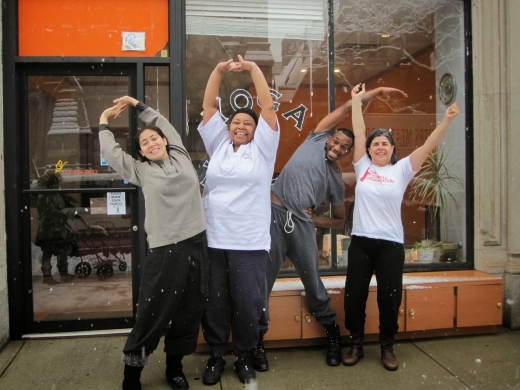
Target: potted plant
{"x": 434, "y": 185}
{"x": 425, "y": 251}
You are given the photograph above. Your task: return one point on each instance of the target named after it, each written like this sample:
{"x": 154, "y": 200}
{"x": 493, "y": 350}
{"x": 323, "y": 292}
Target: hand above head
{"x": 225, "y": 66}
{"x": 452, "y": 111}
{"x": 358, "y": 92}
{"x": 245, "y": 65}
{"x": 109, "y": 112}
{"x": 122, "y": 103}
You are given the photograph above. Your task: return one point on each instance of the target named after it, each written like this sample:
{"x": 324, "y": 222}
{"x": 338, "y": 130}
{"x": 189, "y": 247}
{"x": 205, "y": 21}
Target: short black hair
{"x": 349, "y": 133}
{"x": 248, "y": 111}
{"x": 385, "y": 133}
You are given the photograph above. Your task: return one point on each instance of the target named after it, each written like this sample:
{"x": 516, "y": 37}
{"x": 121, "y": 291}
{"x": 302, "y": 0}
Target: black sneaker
{"x": 213, "y": 370}
{"x": 245, "y": 370}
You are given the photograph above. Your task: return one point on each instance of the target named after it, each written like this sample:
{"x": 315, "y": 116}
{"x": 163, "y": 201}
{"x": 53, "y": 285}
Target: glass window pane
{"x": 288, "y": 40}
{"x": 80, "y": 242}
{"x": 420, "y": 49}
{"x": 81, "y": 256}
{"x": 156, "y": 88}
{"x": 63, "y": 129}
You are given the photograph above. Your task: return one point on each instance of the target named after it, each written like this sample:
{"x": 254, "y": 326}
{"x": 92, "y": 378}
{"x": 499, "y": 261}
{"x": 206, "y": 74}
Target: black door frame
{"x": 12, "y": 68}
{"x": 25, "y": 298}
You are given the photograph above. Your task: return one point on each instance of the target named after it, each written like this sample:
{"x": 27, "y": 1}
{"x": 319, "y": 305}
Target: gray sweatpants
{"x": 301, "y": 249}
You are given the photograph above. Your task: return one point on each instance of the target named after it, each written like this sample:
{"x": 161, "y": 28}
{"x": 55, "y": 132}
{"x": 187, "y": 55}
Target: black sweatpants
{"x": 237, "y": 297}
{"x": 172, "y": 289}
{"x": 386, "y": 259}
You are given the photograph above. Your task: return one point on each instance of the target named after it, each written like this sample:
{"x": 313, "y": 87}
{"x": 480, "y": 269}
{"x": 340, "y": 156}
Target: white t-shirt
{"x": 236, "y": 195}
{"x": 379, "y": 194}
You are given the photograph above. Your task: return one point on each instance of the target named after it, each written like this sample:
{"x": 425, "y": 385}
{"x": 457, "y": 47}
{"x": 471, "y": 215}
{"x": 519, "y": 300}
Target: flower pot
{"x": 449, "y": 251}
{"x": 428, "y": 255}
{"x": 414, "y": 254}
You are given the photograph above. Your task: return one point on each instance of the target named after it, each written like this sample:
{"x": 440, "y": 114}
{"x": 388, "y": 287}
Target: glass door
{"x": 81, "y": 225}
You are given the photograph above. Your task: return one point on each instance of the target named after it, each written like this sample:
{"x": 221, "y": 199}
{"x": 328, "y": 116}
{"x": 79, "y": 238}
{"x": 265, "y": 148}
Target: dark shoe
{"x": 132, "y": 380}
{"x": 50, "y": 281}
{"x": 257, "y": 355}
{"x": 174, "y": 374}
{"x": 353, "y": 356}
{"x": 67, "y": 278}
{"x": 245, "y": 370}
{"x": 213, "y": 370}
{"x": 333, "y": 344}
{"x": 389, "y": 359}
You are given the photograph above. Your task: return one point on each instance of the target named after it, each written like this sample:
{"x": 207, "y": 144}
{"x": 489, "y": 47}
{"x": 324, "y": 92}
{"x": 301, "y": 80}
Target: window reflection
{"x": 400, "y": 43}
{"x": 80, "y": 242}
{"x": 411, "y": 46}
{"x": 63, "y": 128}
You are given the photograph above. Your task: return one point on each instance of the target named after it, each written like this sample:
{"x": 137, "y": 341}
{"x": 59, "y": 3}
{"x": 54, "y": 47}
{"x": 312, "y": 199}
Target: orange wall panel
{"x": 90, "y": 28}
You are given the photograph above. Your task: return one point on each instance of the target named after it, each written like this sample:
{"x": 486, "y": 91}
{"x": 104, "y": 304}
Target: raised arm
{"x": 262, "y": 91}
{"x": 358, "y": 123}
{"x": 149, "y": 116}
{"x": 333, "y": 120}
{"x": 420, "y": 154}
{"x": 120, "y": 161}
{"x": 210, "y": 103}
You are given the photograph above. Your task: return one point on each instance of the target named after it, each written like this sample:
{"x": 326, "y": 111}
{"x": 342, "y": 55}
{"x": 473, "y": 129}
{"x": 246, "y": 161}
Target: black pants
{"x": 386, "y": 259}
{"x": 172, "y": 287}
{"x": 237, "y": 295}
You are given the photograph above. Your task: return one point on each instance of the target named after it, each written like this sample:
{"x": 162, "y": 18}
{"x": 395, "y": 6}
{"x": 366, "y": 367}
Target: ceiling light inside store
{"x": 384, "y": 35}
{"x": 304, "y": 69}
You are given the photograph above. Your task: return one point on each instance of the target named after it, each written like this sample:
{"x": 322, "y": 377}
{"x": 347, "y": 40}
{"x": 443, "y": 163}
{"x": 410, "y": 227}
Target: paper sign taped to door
{"x": 116, "y": 203}
{"x": 134, "y": 41}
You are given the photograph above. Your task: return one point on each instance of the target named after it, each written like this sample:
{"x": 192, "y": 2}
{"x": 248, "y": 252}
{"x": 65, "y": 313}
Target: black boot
{"x": 257, "y": 355}
{"x": 49, "y": 280}
{"x": 333, "y": 344}
{"x": 47, "y": 272}
{"x": 174, "y": 374}
{"x": 132, "y": 379}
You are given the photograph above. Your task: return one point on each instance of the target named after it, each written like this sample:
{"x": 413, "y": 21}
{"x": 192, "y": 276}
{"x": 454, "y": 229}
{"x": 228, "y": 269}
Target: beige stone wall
{"x": 496, "y": 83}
{"x": 4, "y": 306}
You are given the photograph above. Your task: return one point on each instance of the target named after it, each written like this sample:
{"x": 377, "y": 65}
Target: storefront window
{"x": 417, "y": 47}
{"x": 278, "y": 36}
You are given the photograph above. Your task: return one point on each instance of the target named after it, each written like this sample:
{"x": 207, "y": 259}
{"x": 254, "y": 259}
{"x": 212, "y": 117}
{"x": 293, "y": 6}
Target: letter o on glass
{"x": 236, "y": 95}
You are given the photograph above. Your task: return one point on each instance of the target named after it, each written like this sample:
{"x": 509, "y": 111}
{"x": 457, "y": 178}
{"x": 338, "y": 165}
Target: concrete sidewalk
{"x": 489, "y": 362}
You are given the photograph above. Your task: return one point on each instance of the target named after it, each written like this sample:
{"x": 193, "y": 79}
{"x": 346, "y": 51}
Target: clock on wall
{"x": 447, "y": 89}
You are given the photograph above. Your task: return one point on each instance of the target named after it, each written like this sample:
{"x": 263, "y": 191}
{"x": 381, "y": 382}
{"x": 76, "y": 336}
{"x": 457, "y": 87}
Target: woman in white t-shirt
{"x": 377, "y": 234}
{"x": 238, "y": 210}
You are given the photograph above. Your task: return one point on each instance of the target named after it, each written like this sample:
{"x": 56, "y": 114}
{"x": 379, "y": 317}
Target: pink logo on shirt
{"x": 373, "y": 177}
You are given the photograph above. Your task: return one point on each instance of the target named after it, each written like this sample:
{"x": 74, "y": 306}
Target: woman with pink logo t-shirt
{"x": 377, "y": 234}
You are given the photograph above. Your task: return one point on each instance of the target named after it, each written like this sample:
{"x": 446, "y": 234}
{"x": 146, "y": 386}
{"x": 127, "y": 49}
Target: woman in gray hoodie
{"x": 173, "y": 279}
